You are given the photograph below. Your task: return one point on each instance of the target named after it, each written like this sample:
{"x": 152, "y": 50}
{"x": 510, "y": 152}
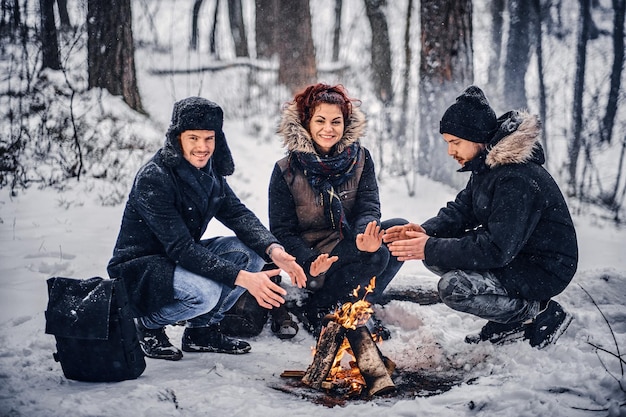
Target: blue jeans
{"x": 201, "y": 301}
{"x": 480, "y": 293}
{"x": 355, "y": 268}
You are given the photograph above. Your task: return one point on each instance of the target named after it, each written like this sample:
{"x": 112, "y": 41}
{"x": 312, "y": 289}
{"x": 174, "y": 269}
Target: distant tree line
{"x": 283, "y": 33}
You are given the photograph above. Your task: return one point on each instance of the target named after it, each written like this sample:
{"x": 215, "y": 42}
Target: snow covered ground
{"x": 48, "y": 233}
{"x": 45, "y": 233}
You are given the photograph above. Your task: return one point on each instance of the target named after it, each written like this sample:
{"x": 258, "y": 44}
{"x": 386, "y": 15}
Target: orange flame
{"x": 351, "y": 315}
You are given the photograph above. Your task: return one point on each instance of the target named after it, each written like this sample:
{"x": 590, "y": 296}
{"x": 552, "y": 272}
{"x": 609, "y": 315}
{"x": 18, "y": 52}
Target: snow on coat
{"x": 169, "y": 208}
{"x": 511, "y": 218}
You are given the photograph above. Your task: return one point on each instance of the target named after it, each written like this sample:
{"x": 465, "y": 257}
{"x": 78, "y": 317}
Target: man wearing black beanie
{"x": 171, "y": 273}
{"x": 506, "y": 245}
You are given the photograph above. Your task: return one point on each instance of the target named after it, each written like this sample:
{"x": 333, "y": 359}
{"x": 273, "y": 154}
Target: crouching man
{"x": 172, "y": 275}
{"x": 506, "y": 245}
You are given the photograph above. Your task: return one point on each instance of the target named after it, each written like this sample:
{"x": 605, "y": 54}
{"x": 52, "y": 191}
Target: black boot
{"x": 155, "y": 344}
{"x": 282, "y": 324}
{"x": 211, "y": 339}
{"x": 548, "y": 326}
{"x": 498, "y": 333}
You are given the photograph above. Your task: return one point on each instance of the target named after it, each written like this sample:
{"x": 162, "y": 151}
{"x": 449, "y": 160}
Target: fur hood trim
{"x": 517, "y": 141}
{"x": 297, "y": 139}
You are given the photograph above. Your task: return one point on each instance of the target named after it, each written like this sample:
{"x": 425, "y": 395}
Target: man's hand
{"x": 288, "y": 263}
{"x": 259, "y": 284}
{"x": 322, "y": 264}
{"x": 412, "y": 247}
{"x": 400, "y": 232}
{"x": 371, "y": 239}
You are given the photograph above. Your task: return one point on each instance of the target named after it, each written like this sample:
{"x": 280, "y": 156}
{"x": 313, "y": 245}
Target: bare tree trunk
{"x": 337, "y": 30}
{"x": 237, "y": 28}
{"x": 406, "y": 77}
{"x": 111, "y": 51}
{"x": 606, "y": 130}
{"x": 212, "y": 37}
{"x": 296, "y": 53}
{"x": 193, "y": 42}
{"x": 446, "y": 68}
{"x": 579, "y": 86}
{"x": 497, "y": 31}
{"x": 49, "y": 41}
{"x": 64, "y": 16}
{"x": 11, "y": 18}
{"x": 517, "y": 54}
{"x": 266, "y": 14}
{"x": 380, "y": 50}
{"x": 616, "y": 200}
{"x": 542, "y": 86}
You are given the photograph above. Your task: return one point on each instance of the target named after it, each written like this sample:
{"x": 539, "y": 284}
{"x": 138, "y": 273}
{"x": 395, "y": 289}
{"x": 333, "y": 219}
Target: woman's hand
{"x": 322, "y": 264}
{"x": 371, "y": 239}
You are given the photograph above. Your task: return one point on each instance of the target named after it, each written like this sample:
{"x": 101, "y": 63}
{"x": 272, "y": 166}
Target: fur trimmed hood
{"x": 296, "y": 137}
{"x": 517, "y": 141}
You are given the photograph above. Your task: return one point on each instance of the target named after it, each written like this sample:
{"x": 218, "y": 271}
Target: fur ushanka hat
{"x": 197, "y": 113}
{"x": 470, "y": 118}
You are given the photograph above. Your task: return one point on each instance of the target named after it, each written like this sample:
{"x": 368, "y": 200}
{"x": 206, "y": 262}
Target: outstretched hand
{"x": 412, "y": 247}
{"x": 371, "y": 239}
{"x": 322, "y": 264}
{"x": 267, "y": 293}
{"x": 288, "y": 263}
{"x": 400, "y": 232}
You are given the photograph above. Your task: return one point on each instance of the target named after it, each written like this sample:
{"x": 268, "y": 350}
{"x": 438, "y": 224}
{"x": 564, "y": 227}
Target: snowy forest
{"x": 405, "y": 60}
{"x": 86, "y": 94}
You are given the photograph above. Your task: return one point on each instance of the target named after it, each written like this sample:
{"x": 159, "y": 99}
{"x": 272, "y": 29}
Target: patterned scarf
{"x": 325, "y": 175}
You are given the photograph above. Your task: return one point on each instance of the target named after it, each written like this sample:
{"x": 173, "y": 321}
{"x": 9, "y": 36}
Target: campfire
{"x": 347, "y": 356}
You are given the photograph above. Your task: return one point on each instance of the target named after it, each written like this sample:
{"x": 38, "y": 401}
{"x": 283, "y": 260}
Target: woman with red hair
{"x": 324, "y": 204}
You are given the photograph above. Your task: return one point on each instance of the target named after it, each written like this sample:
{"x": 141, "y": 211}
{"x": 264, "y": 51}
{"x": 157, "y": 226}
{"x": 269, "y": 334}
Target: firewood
{"x": 370, "y": 361}
{"x": 292, "y": 374}
{"x": 328, "y": 345}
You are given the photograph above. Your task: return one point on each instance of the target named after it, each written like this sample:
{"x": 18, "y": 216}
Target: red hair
{"x": 316, "y": 94}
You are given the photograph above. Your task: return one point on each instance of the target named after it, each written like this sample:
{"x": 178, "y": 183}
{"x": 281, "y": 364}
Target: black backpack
{"x": 95, "y": 333}
{"x": 247, "y": 318}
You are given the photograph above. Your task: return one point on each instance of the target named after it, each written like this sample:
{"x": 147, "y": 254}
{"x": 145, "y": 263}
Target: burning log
{"x": 370, "y": 361}
{"x": 328, "y": 345}
{"x": 345, "y": 332}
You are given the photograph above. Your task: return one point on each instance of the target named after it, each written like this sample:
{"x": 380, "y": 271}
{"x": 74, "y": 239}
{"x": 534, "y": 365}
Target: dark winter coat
{"x": 295, "y": 212}
{"x": 167, "y": 213}
{"x": 510, "y": 219}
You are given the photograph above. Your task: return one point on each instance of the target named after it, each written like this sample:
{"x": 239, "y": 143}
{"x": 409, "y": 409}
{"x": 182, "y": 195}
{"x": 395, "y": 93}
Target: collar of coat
{"x": 517, "y": 141}
{"x": 297, "y": 139}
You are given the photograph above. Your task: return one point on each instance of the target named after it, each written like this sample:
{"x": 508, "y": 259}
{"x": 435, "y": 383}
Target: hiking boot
{"x": 211, "y": 339}
{"x": 282, "y": 324}
{"x": 498, "y": 333}
{"x": 155, "y": 344}
{"x": 548, "y": 325}
{"x": 377, "y": 329}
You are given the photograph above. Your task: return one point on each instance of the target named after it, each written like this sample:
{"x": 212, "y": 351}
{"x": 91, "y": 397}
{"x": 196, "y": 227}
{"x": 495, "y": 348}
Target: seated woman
{"x": 324, "y": 204}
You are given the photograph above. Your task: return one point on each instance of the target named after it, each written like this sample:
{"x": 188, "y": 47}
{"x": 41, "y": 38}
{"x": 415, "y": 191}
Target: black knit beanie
{"x": 470, "y": 118}
{"x": 197, "y": 113}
